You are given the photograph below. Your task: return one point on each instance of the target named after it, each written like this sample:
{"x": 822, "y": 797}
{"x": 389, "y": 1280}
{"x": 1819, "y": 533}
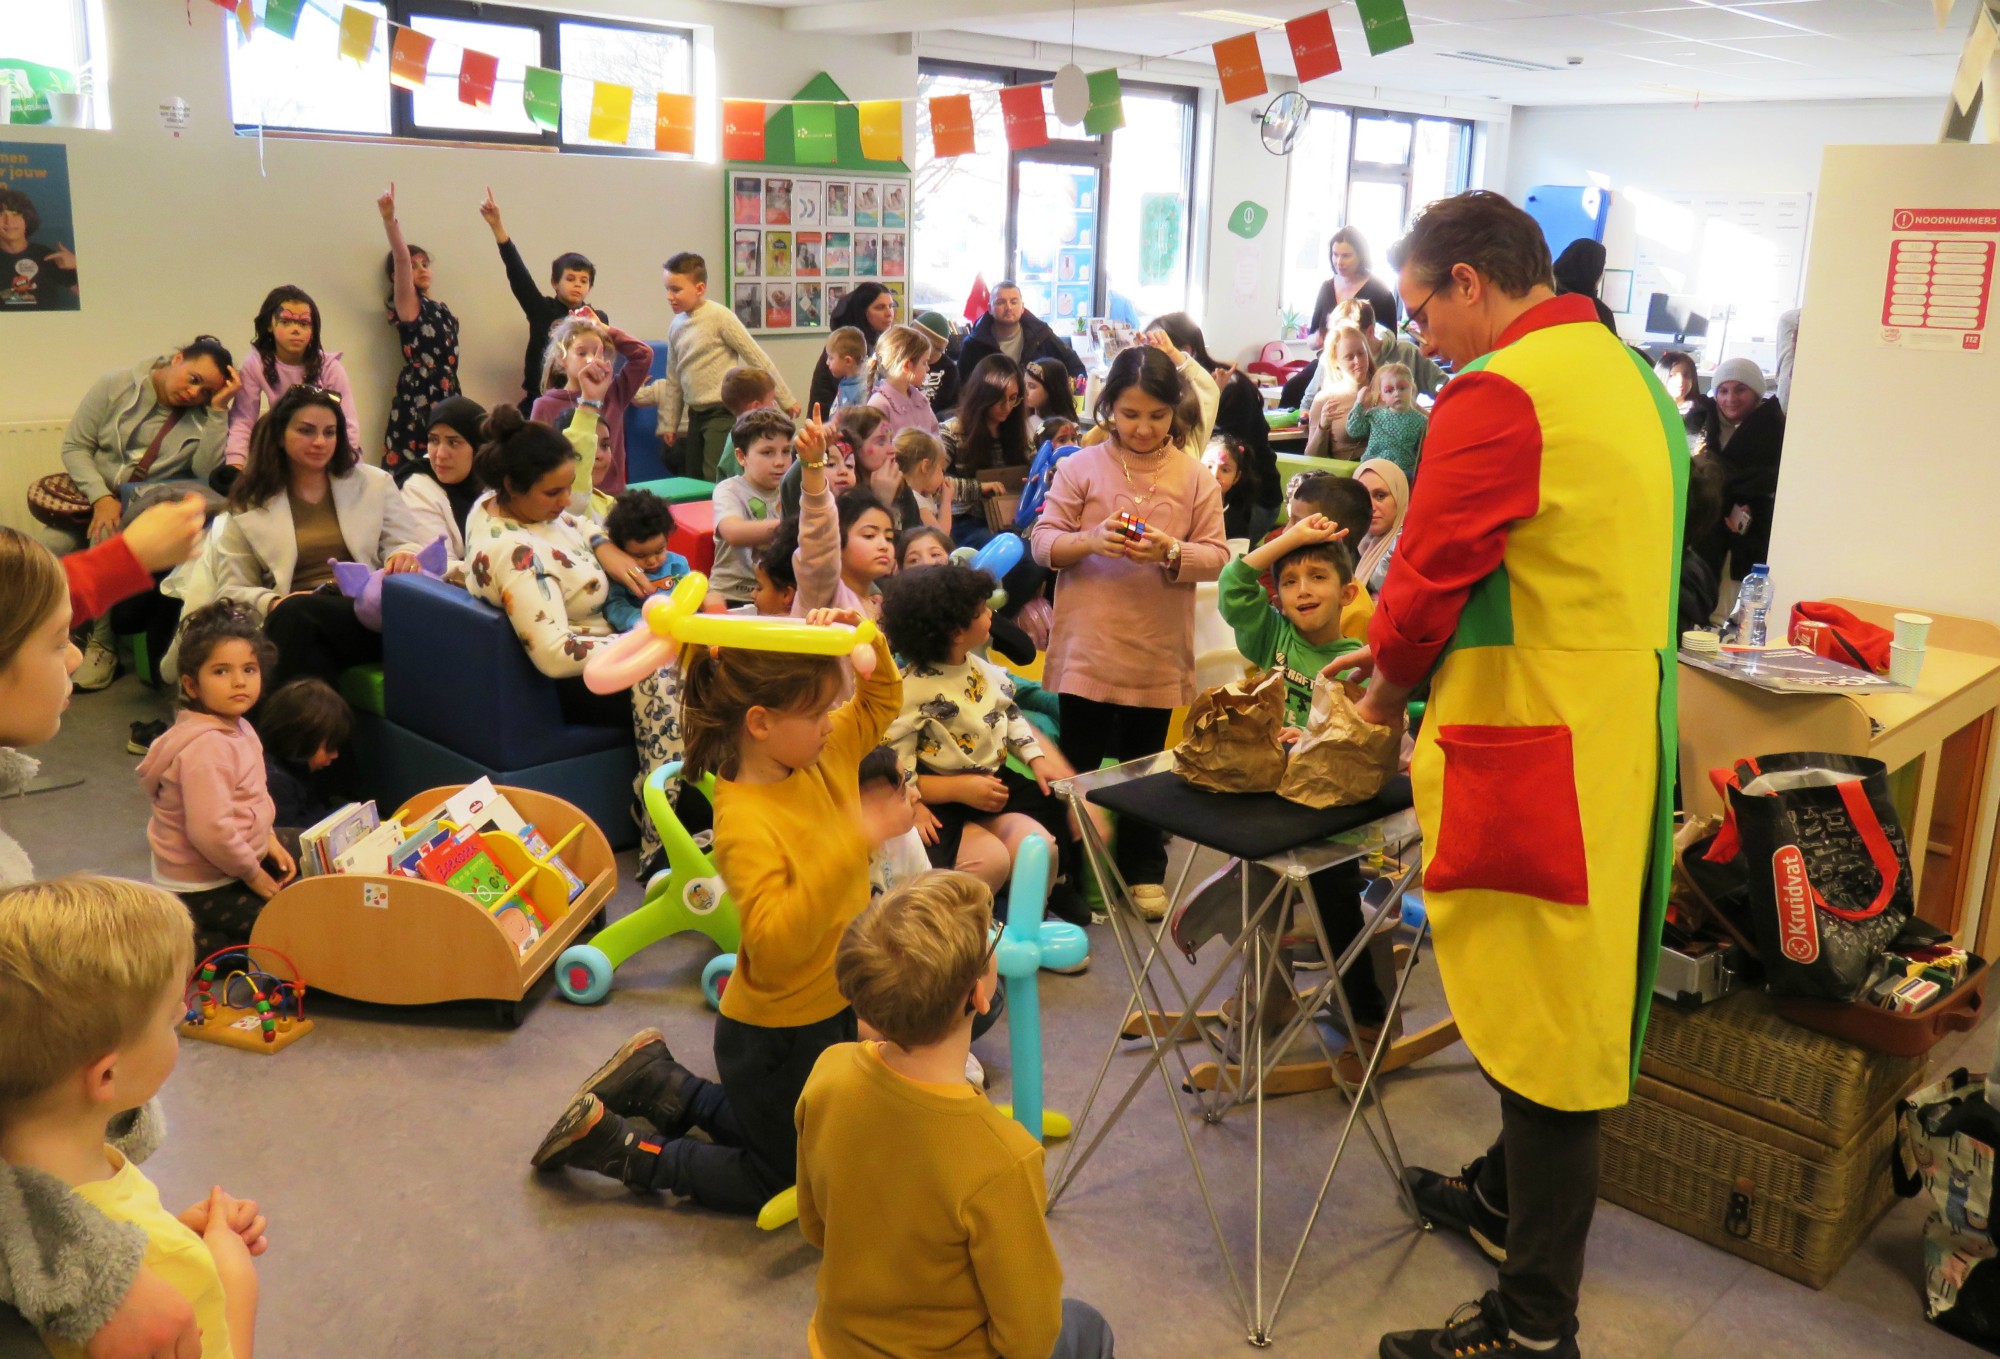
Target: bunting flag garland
{"x": 478, "y": 73}
{"x": 1107, "y": 104}
{"x": 742, "y": 129}
{"x": 881, "y": 128}
{"x": 813, "y": 134}
{"x": 951, "y": 125}
{"x": 229, "y": 5}
{"x": 409, "y": 58}
{"x": 673, "y": 124}
{"x": 357, "y": 34}
{"x": 246, "y": 16}
{"x": 610, "y": 112}
{"x": 282, "y": 17}
{"x": 1026, "y": 118}
{"x": 541, "y": 97}
{"x": 1386, "y": 24}
{"x": 1314, "y": 52}
{"x": 1240, "y": 68}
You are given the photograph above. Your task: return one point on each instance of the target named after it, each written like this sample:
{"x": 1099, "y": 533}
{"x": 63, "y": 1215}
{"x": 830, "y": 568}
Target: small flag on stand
{"x": 673, "y": 123}
{"x": 742, "y": 129}
{"x": 1026, "y": 117}
{"x": 1386, "y": 24}
{"x": 357, "y": 34}
{"x": 979, "y": 301}
{"x": 477, "y": 74}
{"x": 881, "y": 128}
{"x": 282, "y": 17}
{"x": 610, "y": 112}
{"x": 1107, "y": 104}
{"x": 541, "y": 96}
{"x": 1314, "y": 52}
{"x": 1240, "y": 67}
{"x": 951, "y": 125}
{"x": 409, "y": 58}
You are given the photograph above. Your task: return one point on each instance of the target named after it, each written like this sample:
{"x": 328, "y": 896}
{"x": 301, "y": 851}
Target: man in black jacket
{"x": 1010, "y": 328}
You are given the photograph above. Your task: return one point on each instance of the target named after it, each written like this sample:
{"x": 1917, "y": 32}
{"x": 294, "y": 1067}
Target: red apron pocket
{"x": 1510, "y": 821}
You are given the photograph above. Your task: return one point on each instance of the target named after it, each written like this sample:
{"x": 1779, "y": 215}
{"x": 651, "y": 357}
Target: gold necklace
{"x": 1152, "y": 475}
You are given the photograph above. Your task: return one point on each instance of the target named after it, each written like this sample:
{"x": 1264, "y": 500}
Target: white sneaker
{"x": 1151, "y": 900}
{"x": 99, "y": 668}
{"x": 975, "y": 1074}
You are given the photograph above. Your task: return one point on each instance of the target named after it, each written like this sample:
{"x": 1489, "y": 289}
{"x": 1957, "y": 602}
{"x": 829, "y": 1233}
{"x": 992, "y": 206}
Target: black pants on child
{"x": 224, "y": 916}
{"x": 318, "y": 636}
{"x": 1092, "y": 730}
{"x": 1541, "y": 1175}
{"x": 1337, "y": 895}
{"x": 754, "y": 1148}
{"x": 1024, "y": 796}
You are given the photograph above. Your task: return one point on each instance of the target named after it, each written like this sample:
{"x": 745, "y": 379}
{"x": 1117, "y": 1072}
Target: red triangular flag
{"x": 1240, "y": 67}
{"x": 477, "y": 71}
{"x": 1314, "y": 52}
{"x": 1026, "y": 118}
{"x": 979, "y": 300}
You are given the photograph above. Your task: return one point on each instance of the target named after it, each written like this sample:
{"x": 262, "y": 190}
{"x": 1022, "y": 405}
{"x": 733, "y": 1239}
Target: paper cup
{"x": 1701, "y": 641}
{"x": 1913, "y": 630}
{"x": 1905, "y": 664}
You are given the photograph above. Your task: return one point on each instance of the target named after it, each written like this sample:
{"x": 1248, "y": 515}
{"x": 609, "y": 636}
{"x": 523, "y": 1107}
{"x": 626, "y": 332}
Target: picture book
{"x": 464, "y": 865}
{"x": 537, "y": 846}
{"x": 370, "y": 854}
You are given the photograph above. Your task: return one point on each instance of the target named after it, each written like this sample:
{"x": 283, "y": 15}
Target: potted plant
{"x": 1291, "y": 325}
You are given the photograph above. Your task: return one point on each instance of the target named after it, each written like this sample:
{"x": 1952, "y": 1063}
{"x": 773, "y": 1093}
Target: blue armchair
{"x": 642, "y": 430}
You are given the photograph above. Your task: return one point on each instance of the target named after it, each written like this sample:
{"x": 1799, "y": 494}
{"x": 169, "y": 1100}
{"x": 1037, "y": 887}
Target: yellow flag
{"x": 881, "y": 129}
{"x": 246, "y": 16}
{"x": 610, "y": 112}
{"x": 357, "y": 33}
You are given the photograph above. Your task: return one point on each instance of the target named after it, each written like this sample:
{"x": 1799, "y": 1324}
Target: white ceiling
{"x": 1632, "y": 51}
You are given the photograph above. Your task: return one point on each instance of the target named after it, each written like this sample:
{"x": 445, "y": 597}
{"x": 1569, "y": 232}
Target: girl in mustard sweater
{"x": 789, "y": 843}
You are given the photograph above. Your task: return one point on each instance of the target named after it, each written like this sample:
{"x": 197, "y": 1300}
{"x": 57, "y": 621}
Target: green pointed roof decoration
{"x": 780, "y": 140}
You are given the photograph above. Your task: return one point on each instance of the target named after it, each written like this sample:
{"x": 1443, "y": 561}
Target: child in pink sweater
{"x": 210, "y": 831}
{"x": 287, "y": 353}
{"x": 1121, "y": 651}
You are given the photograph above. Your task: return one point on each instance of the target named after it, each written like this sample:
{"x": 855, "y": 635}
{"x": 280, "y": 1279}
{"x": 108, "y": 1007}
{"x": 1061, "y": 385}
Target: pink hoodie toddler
{"x": 212, "y": 811}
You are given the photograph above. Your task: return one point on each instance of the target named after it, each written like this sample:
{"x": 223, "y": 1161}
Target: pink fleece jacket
{"x": 259, "y": 392}
{"x": 212, "y": 810}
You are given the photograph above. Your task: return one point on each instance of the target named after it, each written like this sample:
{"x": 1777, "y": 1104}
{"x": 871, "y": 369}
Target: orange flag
{"x": 951, "y": 125}
{"x": 1240, "y": 68}
{"x": 409, "y": 58}
{"x": 673, "y": 124}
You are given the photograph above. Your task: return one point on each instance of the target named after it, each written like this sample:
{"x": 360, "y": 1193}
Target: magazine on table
{"x": 1791, "y": 670}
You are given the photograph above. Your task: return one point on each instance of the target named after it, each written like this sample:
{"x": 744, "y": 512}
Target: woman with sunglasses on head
{"x": 288, "y": 352}
{"x": 305, "y": 500}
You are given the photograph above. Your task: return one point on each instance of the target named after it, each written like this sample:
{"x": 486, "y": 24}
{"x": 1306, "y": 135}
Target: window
{"x": 296, "y": 84}
{"x": 1370, "y": 170}
{"x": 55, "y": 46}
{"x": 1087, "y": 225}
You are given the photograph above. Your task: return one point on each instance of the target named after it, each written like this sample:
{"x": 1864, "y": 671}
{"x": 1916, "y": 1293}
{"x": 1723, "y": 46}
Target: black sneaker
{"x": 143, "y": 736}
{"x": 590, "y": 1137}
{"x": 1451, "y": 1202}
{"x": 1476, "y": 1329}
{"x": 642, "y": 1078}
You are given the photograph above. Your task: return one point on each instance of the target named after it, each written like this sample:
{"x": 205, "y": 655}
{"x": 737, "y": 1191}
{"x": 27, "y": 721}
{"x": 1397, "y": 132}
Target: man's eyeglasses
{"x": 1415, "y": 321}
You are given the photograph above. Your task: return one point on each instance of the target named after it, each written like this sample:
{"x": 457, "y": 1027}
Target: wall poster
{"x": 801, "y": 239}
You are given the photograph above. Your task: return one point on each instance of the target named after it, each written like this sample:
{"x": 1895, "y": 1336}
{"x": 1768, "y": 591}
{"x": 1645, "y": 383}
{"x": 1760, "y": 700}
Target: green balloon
{"x": 1246, "y": 219}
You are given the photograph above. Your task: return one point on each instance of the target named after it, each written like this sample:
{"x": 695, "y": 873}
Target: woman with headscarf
{"x": 870, "y": 309}
{"x": 1388, "y": 500}
{"x": 442, "y": 486}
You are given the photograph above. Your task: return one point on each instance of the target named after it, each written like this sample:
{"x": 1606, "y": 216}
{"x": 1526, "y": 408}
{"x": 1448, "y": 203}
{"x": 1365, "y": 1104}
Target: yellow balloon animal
{"x": 671, "y": 621}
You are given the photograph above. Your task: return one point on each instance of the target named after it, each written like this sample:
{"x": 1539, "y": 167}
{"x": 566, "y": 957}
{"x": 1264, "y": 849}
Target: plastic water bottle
{"x": 1753, "y": 604}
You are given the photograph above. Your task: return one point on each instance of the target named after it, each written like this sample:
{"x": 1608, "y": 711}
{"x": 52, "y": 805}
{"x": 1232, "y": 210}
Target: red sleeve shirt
{"x": 100, "y": 577}
{"x": 1482, "y": 471}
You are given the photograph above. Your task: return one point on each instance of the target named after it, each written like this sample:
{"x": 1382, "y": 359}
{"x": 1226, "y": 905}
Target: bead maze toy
{"x": 246, "y": 1007}
{"x": 687, "y": 895}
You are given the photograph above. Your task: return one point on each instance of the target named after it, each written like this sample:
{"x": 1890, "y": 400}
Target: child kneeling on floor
{"x": 92, "y": 978}
{"x": 942, "y": 1247}
{"x": 790, "y": 844}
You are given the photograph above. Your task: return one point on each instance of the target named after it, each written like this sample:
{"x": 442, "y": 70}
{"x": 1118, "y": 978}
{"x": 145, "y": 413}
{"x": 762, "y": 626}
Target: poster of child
{"x": 37, "y": 265}
{"x": 746, "y": 264}
{"x": 749, "y": 200}
{"x": 894, "y": 211}
{"x": 805, "y": 255}
{"x": 778, "y": 307}
{"x": 805, "y": 307}
{"x": 839, "y": 261}
{"x": 868, "y": 204}
{"x": 892, "y": 254}
{"x": 806, "y": 202}
{"x": 750, "y": 305}
{"x": 839, "y": 207}
{"x": 867, "y": 246}
{"x": 777, "y": 202}
{"x": 777, "y": 254}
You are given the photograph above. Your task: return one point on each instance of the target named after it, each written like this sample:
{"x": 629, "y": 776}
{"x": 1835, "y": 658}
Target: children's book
{"x": 537, "y": 846}
{"x": 370, "y": 854}
{"x": 404, "y": 859}
{"x": 464, "y": 865}
{"x": 322, "y": 844}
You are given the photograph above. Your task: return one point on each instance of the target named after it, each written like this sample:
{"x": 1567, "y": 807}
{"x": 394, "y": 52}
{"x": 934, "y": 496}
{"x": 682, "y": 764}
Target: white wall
{"x": 176, "y": 237}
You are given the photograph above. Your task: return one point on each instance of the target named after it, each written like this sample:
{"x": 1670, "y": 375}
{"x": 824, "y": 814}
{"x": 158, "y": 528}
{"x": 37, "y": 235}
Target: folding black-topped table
{"x": 1267, "y": 840}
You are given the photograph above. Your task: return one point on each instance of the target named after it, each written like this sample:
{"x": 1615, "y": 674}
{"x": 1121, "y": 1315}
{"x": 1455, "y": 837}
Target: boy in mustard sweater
{"x": 941, "y": 1249}
{"x": 91, "y": 977}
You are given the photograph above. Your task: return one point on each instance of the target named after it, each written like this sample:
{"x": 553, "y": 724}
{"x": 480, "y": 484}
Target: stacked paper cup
{"x": 1701, "y": 642}
{"x": 1906, "y": 652}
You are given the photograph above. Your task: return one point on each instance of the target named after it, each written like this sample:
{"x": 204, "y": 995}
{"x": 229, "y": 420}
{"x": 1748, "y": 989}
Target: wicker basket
{"x": 1790, "y": 1203}
{"x": 1740, "y": 1053}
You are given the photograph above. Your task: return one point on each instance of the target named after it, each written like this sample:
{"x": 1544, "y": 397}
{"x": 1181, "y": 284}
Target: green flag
{"x": 1107, "y": 105}
{"x": 812, "y": 134}
{"x": 1386, "y": 24}
{"x": 282, "y": 17}
{"x": 541, "y": 96}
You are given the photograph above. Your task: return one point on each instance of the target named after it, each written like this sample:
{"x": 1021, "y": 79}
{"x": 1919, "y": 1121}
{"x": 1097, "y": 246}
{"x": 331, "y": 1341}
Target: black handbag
{"x": 1827, "y": 866}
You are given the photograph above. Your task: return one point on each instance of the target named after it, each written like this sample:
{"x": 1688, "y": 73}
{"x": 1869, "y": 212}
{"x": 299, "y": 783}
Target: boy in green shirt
{"x": 1315, "y": 574}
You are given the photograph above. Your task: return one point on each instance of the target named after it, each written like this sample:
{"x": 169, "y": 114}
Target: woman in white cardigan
{"x": 305, "y": 500}
{"x": 441, "y": 488}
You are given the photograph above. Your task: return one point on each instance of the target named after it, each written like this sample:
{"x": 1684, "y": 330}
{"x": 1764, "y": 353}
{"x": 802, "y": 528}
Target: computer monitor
{"x": 1675, "y": 315}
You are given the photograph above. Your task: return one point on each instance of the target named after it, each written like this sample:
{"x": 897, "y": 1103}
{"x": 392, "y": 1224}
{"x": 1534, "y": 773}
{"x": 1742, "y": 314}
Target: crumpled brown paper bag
{"x": 1341, "y": 760}
{"x": 1230, "y": 743}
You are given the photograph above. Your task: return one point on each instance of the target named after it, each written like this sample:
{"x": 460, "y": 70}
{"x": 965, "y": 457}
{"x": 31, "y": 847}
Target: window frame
{"x": 548, "y": 23}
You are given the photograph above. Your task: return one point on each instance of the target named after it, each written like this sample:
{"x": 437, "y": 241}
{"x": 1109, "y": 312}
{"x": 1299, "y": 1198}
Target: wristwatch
{"x": 1173, "y": 561}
